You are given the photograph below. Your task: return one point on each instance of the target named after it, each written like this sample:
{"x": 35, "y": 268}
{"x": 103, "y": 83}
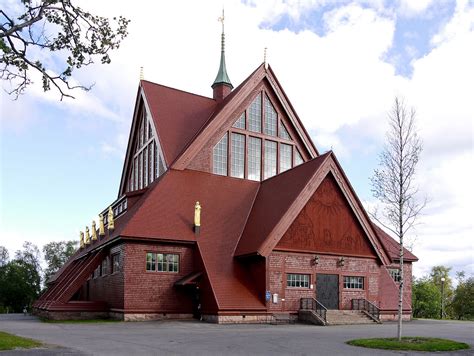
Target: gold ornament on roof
{"x": 87, "y": 239}
{"x": 94, "y": 231}
{"x": 142, "y": 76}
{"x": 81, "y": 239}
{"x": 101, "y": 225}
{"x": 110, "y": 219}
{"x": 197, "y": 214}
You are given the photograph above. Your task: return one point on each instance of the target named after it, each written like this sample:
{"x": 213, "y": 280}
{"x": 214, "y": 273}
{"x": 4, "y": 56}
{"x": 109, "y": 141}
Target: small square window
{"x": 353, "y": 282}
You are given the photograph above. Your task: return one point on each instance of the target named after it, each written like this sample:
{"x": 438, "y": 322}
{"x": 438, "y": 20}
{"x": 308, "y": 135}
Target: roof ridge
{"x": 296, "y": 167}
{"x": 176, "y": 89}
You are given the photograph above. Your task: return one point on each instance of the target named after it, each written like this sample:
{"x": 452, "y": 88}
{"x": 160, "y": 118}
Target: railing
{"x": 313, "y": 304}
{"x": 365, "y": 305}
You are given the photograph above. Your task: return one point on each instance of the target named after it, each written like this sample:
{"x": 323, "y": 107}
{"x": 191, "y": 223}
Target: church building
{"x": 227, "y": 212}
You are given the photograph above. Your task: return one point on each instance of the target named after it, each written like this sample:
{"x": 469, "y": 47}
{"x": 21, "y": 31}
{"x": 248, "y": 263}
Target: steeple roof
{"x": 222, "y": 76}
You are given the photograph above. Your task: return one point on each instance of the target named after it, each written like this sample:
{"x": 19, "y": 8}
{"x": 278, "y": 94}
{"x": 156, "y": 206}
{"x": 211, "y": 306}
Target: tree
{"x": 462, "y": 305}
{"x": 426, "y": 298}
{"x": 55, "y": 255}
{"x": 393, "y": 182}
{"x": 4, "y": 256}
{"x": 20, "y": 279}
{"x": 75, "y": 37}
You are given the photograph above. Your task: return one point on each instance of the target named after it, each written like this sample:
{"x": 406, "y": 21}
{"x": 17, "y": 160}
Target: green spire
{"x": 222, "y": 76}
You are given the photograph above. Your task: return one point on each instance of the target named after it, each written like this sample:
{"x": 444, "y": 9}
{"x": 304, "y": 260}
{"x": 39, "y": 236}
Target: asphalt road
{"x": 196, "y": 338}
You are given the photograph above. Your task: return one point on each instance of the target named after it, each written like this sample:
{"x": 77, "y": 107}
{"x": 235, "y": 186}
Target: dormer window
{"x": 247, "y": 152}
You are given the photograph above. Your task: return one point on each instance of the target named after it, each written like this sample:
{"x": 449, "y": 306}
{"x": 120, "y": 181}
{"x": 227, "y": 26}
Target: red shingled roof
{"x": 274, "y": 198}
{"x": 168, "y": 212}
{"x": 393, "y": 247}
{"x": 178, "y": 116}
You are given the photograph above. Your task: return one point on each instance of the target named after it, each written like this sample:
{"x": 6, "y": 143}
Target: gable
{"x": 327, "y": 225}
{"x": 256, "y": 141}
{"x": 198, "y": 155}
{"x": 144, "y": 161}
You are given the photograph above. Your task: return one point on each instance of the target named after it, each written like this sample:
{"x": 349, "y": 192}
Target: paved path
{"x": 195, "y": 338}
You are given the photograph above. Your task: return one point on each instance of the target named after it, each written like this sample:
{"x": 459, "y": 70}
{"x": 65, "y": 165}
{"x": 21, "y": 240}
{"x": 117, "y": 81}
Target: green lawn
{"x": 413, "y": 343}
{"x": 10, "y": 342}
{"x": 86, "y": 321}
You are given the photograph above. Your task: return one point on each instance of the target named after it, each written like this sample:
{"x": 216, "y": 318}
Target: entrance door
{"x": 327, "y": 290}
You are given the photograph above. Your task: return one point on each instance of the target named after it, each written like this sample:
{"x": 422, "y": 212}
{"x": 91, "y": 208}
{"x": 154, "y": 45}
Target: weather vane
{"x": 221, "y": 19}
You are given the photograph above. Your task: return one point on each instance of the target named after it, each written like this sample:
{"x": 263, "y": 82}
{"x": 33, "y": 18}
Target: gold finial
{"x": 142, "y": 76}
{"x": 101, "y": 225}
{"x": 87, "y": 239}
{"x": 81, "y": 239}
{"x": 197, "y": 215}
{"x": 221, "y": 19}
{"x": 265, "y": 57}
{"x": 110, "y": 219}
{"x": 94, "y": 231}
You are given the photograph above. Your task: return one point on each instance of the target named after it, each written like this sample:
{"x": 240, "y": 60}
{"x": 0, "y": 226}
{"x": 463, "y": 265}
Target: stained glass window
{"x": 284, "y": 132}
{"x": 270, "y": 168}
{"x": 254, "y": 157}
{"x": 255, "y": 114}
{"x": 238, "y": 155}
{"x": 298, "y": 158}
{"x": 285, "y": 157}
{"x": 240, "y": 123}
{"x": 219, "y": 164}
{"x": 270, "y": 118}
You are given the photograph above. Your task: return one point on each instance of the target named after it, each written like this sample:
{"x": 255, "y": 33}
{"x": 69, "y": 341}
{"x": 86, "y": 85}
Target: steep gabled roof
{"x": 281, "y": 198}
{"x": 392, "y": 246}
{"x": 178, "y": 116}
{"x": 167, "y": 214}
{"x": 274, "y": 198}
{"x": 233, "y": 101}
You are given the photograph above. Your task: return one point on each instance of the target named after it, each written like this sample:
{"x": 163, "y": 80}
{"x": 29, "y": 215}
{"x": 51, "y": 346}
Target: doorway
{"x": 327, "y": 290}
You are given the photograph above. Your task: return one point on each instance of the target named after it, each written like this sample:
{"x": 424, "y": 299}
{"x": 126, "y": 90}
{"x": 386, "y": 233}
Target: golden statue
{"x": 110, "y": 219}
{"x": 197, "y": 214}
{"x": 81, "y": 239}
{"x": 87, "y": 239}
{"x": 94, "y": 231}
{"x": 101, "y": 225}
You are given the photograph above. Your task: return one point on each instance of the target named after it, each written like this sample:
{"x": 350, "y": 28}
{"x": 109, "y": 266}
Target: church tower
{"x": 222, "y": 85}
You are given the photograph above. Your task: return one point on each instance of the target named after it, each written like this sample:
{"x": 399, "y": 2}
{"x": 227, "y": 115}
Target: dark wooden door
{"x": 327, "y": 290}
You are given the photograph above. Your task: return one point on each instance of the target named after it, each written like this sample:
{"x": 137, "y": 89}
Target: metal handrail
{"x": 365, "y": 305}
{"x": 315, "y": 305}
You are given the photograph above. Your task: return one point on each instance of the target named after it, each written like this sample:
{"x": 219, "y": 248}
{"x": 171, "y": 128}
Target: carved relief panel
{"x": 327, "y": 224}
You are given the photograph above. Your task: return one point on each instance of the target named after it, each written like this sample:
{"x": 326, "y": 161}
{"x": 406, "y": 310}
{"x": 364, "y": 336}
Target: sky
{"x": 341, "y": 64}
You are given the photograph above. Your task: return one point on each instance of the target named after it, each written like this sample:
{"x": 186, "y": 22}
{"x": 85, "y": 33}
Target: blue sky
{"x": 341, "y": 64}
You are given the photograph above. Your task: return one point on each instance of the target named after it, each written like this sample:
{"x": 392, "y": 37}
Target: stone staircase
{"x": 347, "y": 317}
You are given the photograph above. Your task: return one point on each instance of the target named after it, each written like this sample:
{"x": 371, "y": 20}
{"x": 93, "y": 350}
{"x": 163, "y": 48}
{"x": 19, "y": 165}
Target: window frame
{"x": 115, "y": 268}
{"x": 156, "y": 261}
{"x": 395, "y": 276}
{"x": 303, "y": 284}
{"x": 354, "y": 285}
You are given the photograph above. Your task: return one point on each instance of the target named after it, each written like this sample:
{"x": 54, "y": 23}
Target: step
{"x": 347, "y": 317}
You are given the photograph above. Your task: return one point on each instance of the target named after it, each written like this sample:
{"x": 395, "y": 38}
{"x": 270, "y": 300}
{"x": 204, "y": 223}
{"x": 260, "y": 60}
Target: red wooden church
{"x": 227, "y": 212}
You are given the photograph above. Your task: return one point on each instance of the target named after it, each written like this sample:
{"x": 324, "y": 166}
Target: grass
{"x": 10, "y": 342}
{"x": 85, "y": 321}
{"x": 412, "y": 343}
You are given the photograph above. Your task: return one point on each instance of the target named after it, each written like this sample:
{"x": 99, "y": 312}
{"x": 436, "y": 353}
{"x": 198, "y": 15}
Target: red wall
{"x": 281, "y": 263}
{"x": 151, "y": 291}
{"x": 109, "y": 287}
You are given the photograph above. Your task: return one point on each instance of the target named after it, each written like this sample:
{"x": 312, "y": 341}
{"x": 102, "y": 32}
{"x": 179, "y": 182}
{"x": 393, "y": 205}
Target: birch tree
{"x": 393, "y": 183}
